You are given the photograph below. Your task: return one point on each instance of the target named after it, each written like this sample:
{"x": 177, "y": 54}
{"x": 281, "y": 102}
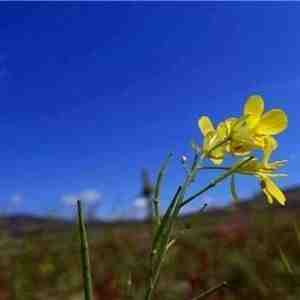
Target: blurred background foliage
{"x": 253, "y": 246}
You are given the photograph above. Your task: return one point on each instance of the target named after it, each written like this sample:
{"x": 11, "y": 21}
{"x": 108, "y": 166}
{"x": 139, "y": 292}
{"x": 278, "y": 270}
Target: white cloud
{"x": 138, "y": 209}
{"x": 88, "y": 196}
{"x": 69, "y": 199}
{"x": 140, "y": 203}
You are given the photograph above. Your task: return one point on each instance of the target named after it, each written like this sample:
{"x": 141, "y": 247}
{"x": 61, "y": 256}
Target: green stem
{"x": 85, "y": 260}
{"x": 163, "y": 232}
{"x": 165, "y": 219}
{"x": 213, "y": 168}
{"x": 159, "y": 244}
{"x": 162, "y": 235}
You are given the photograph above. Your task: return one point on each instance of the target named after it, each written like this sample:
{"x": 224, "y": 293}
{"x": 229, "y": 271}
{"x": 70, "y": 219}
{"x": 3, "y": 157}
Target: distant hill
{"x": 259, "y": 200}
{"x": 19, "y": 225}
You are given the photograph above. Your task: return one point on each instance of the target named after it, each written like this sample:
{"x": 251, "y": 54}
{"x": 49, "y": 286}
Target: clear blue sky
{"x": 91, "y": 93}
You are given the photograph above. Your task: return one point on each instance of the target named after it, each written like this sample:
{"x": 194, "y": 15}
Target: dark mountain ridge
{"x": 19, "y": 225}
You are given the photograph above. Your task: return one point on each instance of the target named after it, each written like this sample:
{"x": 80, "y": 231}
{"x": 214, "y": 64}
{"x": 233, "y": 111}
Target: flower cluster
{"x": 254, "y": 130}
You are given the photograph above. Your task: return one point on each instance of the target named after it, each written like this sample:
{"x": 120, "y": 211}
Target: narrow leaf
{"x": 166, "y": 217}
{"x": 156, "y": 195}
{"x": 84, "y": 251}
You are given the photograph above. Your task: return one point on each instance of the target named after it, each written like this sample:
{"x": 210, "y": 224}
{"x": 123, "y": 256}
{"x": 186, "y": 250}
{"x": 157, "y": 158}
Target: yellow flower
{"x": 212, "y": 138}
{"x": 270, "y": 123}
{"x": 264, "y": 172}
{"x": 241, "y": 141}
{"x": 255, "y": 129}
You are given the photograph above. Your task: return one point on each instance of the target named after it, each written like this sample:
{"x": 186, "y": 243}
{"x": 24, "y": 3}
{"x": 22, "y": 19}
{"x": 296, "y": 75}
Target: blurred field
{"x": 40, "y": 258}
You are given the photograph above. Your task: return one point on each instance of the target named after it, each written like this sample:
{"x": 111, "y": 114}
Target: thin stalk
{"x": 234, "y": 194}
{"x": 159, "y": 245}
{"x": 211, "y": 291}
{"x": 203, "y": 208}
{"x": 84, "y": 251}
{"x": 213, "y": 168}
{"x": 163, "y": 232}
{"x": 204, "y": 155}
{"x": 156, "y": 196}
{"x": 214, "y": 182}
{"x": 161, "y": 239}
{"x": 165, "y": 219}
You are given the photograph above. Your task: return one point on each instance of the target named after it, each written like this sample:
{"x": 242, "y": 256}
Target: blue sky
{"x": 92, "y": 93}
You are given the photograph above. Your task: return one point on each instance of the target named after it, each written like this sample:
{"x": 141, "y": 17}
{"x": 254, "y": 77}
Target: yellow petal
{"x": 206, "y": 144}
{"x": 272, "y": 122}
{"x": 222, "y": 131}
{"x": 254, "y": 106}
{"x": 205, "y": 125}
{"x": 244, "y": 138}
{"x": 269, "y": 197}
{"x": 209, "y": 142}
{"x": 230, "y": 123}
{"x": 218, "y": 152}
{"x": 260, "y": 141}
{"x": 216, "y": 149}
{"x": 263, "y": 185}
{"x": 274, "y": 190}
{"x": 270, "y": 144}
{"x": 252, "y": 121}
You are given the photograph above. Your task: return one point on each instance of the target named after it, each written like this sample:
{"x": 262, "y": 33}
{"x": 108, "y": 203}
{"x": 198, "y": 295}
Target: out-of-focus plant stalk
{"x": 211, "y": 291}
{"x": 156, "y": 194}
{"x": 84, "y": 251}
{"x": 162, "y": 236}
